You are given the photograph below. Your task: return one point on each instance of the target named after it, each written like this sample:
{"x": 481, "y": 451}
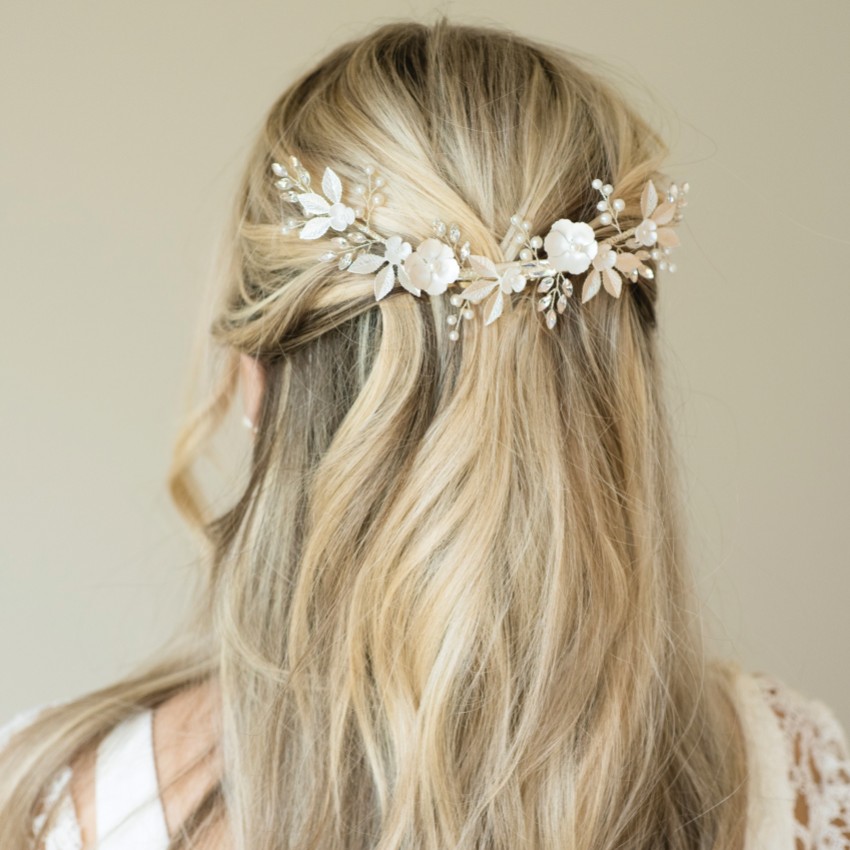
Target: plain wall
{"x": 123, "y": 128}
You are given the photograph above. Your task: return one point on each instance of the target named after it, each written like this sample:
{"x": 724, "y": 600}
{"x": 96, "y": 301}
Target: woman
{"x": 451, "y": 608}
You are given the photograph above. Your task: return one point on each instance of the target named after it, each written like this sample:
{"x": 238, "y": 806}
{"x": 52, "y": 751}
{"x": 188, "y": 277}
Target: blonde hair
{"x": 452, "y": 607}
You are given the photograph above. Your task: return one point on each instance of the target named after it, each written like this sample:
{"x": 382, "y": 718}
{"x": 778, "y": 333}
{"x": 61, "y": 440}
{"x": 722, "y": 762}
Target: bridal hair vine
{"x": 572, "y": 248}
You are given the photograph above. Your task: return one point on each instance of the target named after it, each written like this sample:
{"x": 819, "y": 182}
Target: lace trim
{"x": 65, "y": 833}
{"x": 819, "y": 768}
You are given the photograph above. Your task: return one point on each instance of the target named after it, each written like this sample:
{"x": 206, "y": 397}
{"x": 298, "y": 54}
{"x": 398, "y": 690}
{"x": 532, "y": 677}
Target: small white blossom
{"x": 646, "y": 232}
{"x": 432, "y": 266}
{"x": 570, "y": 245}
{"x": 334, "y": 214}
{"x": 396, "y": 250}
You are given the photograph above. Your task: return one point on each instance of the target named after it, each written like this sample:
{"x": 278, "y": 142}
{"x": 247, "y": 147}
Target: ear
{"x": 253, "y": 380}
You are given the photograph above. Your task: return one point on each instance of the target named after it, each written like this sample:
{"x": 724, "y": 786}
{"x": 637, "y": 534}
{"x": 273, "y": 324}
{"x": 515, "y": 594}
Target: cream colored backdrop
{"x": 123, "y": 128}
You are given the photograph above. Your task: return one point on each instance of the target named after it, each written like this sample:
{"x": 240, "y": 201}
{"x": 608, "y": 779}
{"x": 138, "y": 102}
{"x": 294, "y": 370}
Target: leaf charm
{"x": 331, "y": 185}
{"x": 313, "y": 204}
{"x": 648, "y": 199}
{"x": 494, "y": 308}
{"x": 366, "y": 263}
{"x": 384, "y": 281}
{"x": 591, "y": 285}
{"x": 315, "y": 228}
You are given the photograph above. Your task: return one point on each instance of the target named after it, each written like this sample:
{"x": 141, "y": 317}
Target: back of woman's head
{"x": 451, "y": 607}
{"x": 453, "y": 593}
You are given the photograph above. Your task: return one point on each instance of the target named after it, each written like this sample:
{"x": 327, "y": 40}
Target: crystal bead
{"x": 464, "y": 250}
{"x": 453, "y": 336}
{"x": 536, "y": 242}
{"x": 292, "y": 196}
{"x": 339, "y": 241}
{"x": 304, "y": 176}
{"x": 544, "y": 302}
{"x": 454, "y": 233}
{"x": 278, "y": 169}
{"x": 294, "y": 161}
{"x": 568, "y": 289}
{"x": 291, "y": 222}
{"x": 451, "y": 320}
{"x": 345, "y": 260}
{"x": 546, "y": 284}
{"x": 284, "y": 183}
{"x": 551, "y": 319}
{"x": 357, "y": 237}
{"x": 525, "y": 254}
{"x": 648, "y": 273}
{"x": 468, "y": 313}
{"x": 439, "y": 227}
{"x": 562, "y": 303}
{"x": 328, "y": 255}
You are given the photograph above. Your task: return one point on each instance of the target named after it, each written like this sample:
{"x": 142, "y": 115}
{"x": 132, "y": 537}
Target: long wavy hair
{"x": 451, "y": 607}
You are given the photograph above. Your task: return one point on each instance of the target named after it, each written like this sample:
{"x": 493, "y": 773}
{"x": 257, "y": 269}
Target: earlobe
{"x": 252, "y": 379}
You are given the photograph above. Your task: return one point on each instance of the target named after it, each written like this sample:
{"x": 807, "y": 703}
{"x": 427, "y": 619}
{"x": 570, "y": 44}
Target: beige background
{"x": 123, "y": 127}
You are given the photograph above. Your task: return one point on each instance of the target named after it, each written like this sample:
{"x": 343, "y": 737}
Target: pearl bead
{"x": 453, "y": 336}
{"x": 515, "y": 219}
{"x": 467, "y": 313}
{"x": 519, "y": 237}
{"x": 359, "y": 212}
{"x": 377, "y": 198}
{"x": 619, "y": 204}
{"x": 525, "y": 254}
{"x": 455, "y": 300}
{"x": 607, "y": 189}
{"x": 379, "y": 181}
{"x": 605, "y": 218}
{"x": 596, "y": 183}
{"x": 671, "y": 267}
{"x": 655, "y": 254}
{"x": 369, "y": 169}
{"x": 527, "y": 225}
{"x": 662, "y": 265}
{"x": 359, "y": 189}
{"x": 602, "y": 205}
{"x": 452, "y": 320}
{"x": 536, "y": 241}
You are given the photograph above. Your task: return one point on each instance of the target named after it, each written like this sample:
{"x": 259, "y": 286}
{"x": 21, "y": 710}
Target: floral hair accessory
{"x": 573, "y": 248}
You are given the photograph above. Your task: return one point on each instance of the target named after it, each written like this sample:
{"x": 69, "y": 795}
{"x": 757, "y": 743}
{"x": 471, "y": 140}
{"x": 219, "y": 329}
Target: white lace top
{"x": 799, "y": 777}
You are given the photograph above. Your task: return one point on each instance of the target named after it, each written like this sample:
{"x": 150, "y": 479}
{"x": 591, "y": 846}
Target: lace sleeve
{"x": 819, "y": 768}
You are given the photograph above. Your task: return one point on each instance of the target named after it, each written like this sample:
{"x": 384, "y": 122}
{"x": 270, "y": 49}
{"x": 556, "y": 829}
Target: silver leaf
{"x": 331, "y": 185}
{"x": 313, "y": 204}
{"x": 366, "y": 263}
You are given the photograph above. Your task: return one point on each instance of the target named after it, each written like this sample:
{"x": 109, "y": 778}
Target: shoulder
{"x": 801, "y": 751}
{"x": 184, "y": 742}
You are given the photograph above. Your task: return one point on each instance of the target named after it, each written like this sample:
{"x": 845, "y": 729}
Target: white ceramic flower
{"x": 396, "y": 251}
{"x": 432, "y": 266}
{"x": 329, "y": 213}
{"x": 570, "y": 245}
